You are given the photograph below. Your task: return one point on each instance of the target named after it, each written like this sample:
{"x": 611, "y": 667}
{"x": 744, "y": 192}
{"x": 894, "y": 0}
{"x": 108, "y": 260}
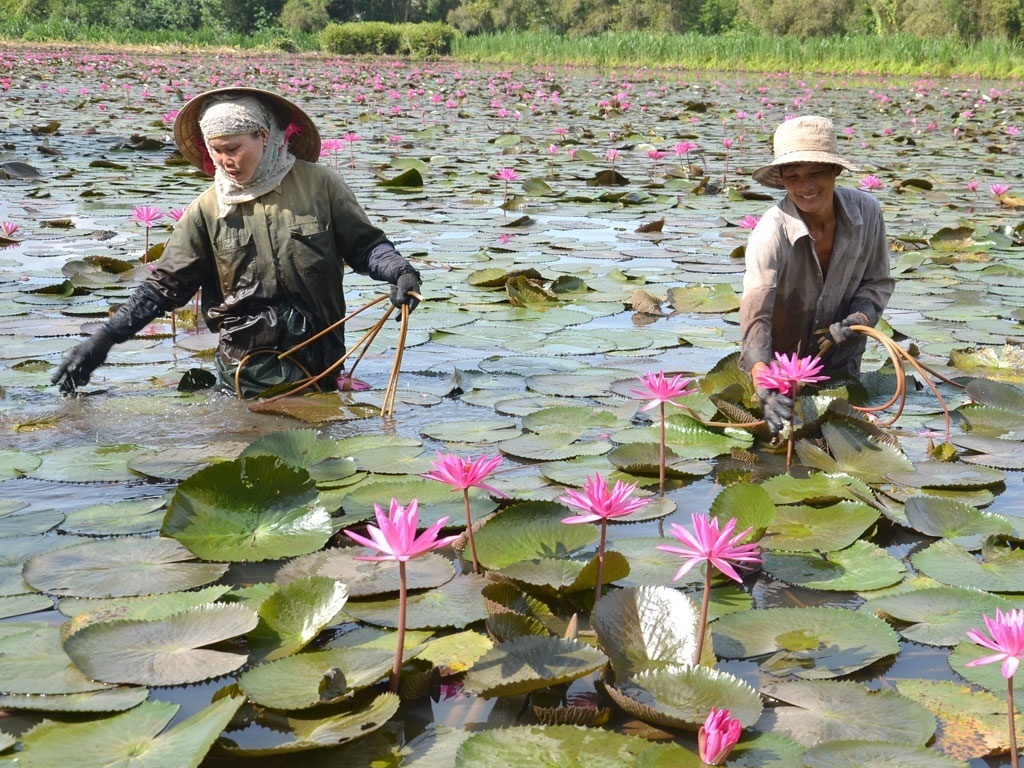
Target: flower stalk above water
{"x": 462, "y": 474}
{"x": 1007, "y": 639}
{"x": 395, "y": 538}
{"x": 659, "y": 391}
{"x": 599, "y": 505}
{"x": 717, "y": 549}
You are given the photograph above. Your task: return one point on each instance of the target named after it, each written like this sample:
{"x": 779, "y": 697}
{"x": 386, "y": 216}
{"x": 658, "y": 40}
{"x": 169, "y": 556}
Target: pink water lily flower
{"x": 660, "y": 390}
{"x": 10, "y": 229}
{"x": 718, "y": 736}
{"x": 707, "y": 544}
{"x": 599, "y": 503}
{"x": 870, "y": 182}
{"x": 999, "y": 189}
{"x": 748, "y": 222}
{"x": 395, "y": 537}
{"x": 462, "y": 474}
{"x": 1007, "y": 639}
{"x": 788, "y": 373}
{"x": 147, "y": 215}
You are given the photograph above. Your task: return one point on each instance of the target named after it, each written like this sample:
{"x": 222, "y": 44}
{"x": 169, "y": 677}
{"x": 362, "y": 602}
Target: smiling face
{"x": 238, "y": 155}
{"x": 810, "y": 186}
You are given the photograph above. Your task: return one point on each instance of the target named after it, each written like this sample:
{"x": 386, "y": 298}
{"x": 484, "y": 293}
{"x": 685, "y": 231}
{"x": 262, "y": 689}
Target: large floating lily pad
{"x": 531, "y": 663}
{"x": 646, "y": 628}
{"x": 961, "y": 523}
{"x": 861, "y": 566}
{"x": 119, "y": 568}
{"x": 529, "y": 531}
{"x": 864, "y": 754}
{"x": 252, "y": 508}
{"x": 937, "y": 615}
{"x": 799, "y": 528}
{"x": 810, "y": 643}
{"x": 294, "y": 615}
{"x": 1000, "y": 568}
{"x": 568, "y": 746}
{"x": 33, "y": 661}
{"x": 169, "y": 651}
{"x": 435, "y": 499}
{"x": 88, "y": 464}
{"x": 122, "y": 738}
{"x": 367, "y": 579}
{"x": 325, "y": 459}
{"x": 107, "y": 700}
{"x": 454, "y": 604}
{"x": 820, "y": 711}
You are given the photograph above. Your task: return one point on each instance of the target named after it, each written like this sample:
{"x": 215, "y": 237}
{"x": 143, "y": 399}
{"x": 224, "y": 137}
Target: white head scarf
{"x": 233, "y": 115}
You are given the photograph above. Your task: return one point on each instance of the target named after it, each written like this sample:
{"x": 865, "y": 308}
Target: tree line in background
{"x": 967, "y": 20}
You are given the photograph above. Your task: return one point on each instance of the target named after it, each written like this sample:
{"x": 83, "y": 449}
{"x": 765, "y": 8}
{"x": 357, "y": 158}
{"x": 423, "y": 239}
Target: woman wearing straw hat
{"x": 267, "y": 244}
{"x": 818, "y": 259}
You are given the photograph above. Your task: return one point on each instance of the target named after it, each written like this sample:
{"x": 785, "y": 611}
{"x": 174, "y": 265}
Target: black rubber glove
{"x": 142, "y": 307}
{"x": 842, "y": 333}
{"x": 405, "y": 286}
{"x": 81, "y": 360}
{"x": 776, "y": 407}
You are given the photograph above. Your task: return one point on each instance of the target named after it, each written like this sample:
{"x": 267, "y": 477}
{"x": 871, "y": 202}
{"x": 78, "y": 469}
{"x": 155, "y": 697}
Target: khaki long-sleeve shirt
{"x": 785, "y": 295}
{"x": 271, "y": 271}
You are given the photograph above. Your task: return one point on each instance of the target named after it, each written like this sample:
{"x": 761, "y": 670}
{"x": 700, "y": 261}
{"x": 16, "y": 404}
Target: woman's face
{"x": 239, "y": 155}
{"x": 810, "y": 186}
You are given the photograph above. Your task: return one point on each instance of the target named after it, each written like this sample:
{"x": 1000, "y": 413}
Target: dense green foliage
{"x": 379, "y": 38}
{"x": 967, "y": 21}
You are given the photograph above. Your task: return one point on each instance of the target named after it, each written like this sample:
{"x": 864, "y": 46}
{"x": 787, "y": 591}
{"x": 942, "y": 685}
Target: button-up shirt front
{"x": 786, "y": 297}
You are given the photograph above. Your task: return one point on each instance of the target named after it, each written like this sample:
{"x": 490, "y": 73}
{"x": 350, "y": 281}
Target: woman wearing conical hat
{"x": 267, "y": 243}
{"x": 817, "y": 263}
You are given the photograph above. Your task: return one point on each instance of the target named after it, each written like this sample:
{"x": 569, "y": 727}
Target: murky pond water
{"x": 84, "y": 139}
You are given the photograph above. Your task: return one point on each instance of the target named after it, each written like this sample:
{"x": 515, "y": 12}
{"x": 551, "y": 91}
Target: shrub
{"x": 304, "y": 15}
{"x": 381, "y": 39}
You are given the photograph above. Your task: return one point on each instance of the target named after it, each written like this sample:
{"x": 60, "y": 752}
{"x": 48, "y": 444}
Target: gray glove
{"x": 142, "y": 307}
{"x": 842, "y": 333}
{"x": 405, "y": 286}
{"x": 776, "y": 407}
{"x": 81, "y": 360}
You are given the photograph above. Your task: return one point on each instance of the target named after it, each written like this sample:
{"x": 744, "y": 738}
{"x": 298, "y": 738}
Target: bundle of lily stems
{"x": 390, "y": 393}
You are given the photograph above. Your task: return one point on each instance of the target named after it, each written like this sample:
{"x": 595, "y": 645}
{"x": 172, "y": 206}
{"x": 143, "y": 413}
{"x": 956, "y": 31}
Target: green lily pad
{"x": 809, "y": 643}
{"x": 645, "y": 459}
{"x": 315, "y": 677}
{"x": 988, "y": 676}
{"x": 530, "y": 664}
{"x": 33, "y": 662}
{"x": 862, "y": 754}
{"x": 820, "y": 711}
{"x": 29, "y": 523}
{"x": 436, "y": 500}
{"x": 528, "y": 531}
{"x": 936, "y": 615}
{"x": 681, "y": 697}
{"x": 819, "y": 488}
{"x": 567, "y": 746}
{"x": 454, "y": 604}
{"x": 14, "y": 463}
{"x": 943, "y": 474}
{"x": 109, "y": 700}
{"x": 119, "y": 568}
{"x": 972, "y": 723}
{"x": 853, "y": 452}
{"x": 553, "y": 444}
{"x": 861, "y": 566}
{"x": 19, "y": 605}
{"x": 478, "y": 431}
{"x": 990, "y": 451}
{"x": 145, "y": 607}
{"x": 964, "y": 525}
{"x": 168, "y": 651}
{"x": 799, "y": 528}
{"x": 121, "y": 518}
{"x": 252, "y": 508}
{"x": 1000, "y": 569}
{"x": 88, "y": 464}
{"x": 367, "y": 579}
{"x": 121, "y": 739}
{"x": 324, "y": 459}
{"x": 308, "y": 733}
{"x": 567, "y": 416}
{"x": 294, "y": 615}
{"x": 646, "y": 628}
{"x": 749, "y": 504}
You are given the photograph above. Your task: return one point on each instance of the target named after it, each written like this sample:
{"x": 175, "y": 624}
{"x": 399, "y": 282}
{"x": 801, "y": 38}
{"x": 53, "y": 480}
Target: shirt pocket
{"x": 311, "y": 248}
{"x": 235, "y": 255}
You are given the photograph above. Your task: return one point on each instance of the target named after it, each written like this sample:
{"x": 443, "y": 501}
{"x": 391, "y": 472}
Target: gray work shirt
{"x": 785, "y": 295}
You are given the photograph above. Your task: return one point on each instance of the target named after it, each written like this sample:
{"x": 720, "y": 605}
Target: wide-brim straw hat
{"x": 305, "y": 143}
{"x": 803, "y": 139}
